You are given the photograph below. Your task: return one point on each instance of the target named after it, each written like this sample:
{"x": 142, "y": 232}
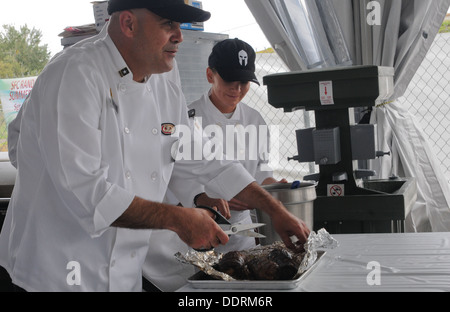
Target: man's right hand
{"x": 199, "y": 230}
{"x": 196, "y": 227}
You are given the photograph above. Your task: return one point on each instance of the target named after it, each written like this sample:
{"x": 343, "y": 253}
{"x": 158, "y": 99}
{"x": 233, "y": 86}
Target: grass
{"x": 445, "y": 27}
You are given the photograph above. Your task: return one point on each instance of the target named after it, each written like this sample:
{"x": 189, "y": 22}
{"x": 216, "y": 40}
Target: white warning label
{"x": 326, "y": 93}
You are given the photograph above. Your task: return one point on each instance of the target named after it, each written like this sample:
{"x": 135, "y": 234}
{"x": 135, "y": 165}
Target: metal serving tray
{"x": 201, "y": 280}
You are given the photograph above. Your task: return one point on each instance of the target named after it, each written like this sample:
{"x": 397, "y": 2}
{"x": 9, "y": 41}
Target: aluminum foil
{"x": 322, "y": 240}
{"x": 206, "y": 261}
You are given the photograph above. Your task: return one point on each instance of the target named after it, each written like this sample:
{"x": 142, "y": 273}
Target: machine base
{"x": 384, "y": 211}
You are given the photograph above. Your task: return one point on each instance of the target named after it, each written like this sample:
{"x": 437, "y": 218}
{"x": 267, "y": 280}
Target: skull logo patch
{"x": 243, "y": 58}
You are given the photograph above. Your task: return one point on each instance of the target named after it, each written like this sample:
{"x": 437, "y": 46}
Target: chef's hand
{"x": 199, "y": 230}
{"x": 284, "y": 222}
{"x": 287, "y": 225}
{"x": 221, "y": 205}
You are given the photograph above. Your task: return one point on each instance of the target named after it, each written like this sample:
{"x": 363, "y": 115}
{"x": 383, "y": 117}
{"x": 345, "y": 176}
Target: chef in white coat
{"x": 243, "y": 131}
{"x": 161, "y": 271}
{"x": 95, "y": 157}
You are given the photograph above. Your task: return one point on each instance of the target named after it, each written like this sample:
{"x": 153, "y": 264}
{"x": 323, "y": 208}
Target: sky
{"x": 230, "y": 17}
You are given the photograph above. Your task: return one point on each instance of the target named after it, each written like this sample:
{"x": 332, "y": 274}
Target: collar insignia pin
{"x": 123, "y": 72}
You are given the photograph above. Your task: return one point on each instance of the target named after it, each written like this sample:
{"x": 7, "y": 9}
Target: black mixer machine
{"x": 349, "y": 199}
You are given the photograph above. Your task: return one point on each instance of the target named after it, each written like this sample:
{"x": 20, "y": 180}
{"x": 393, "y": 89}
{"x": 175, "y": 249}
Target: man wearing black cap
{"x": 94, "y": 161}
{"x": 221, "y": 110}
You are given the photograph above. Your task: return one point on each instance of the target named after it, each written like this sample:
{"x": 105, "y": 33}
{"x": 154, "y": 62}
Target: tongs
{"x": 234, "y": 229}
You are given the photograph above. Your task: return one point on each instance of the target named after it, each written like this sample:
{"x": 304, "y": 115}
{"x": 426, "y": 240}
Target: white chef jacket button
{"x": 113, "y": 263}
{"x": 128, "y": 175}
{"x": 127, "y": 130}
{"x": 149, "y": 88}
{"x": 155, "y": 131}
{"x": 154, "y": 176}
{"x": 133, "y": 254}
{"x": 122, "y": 87}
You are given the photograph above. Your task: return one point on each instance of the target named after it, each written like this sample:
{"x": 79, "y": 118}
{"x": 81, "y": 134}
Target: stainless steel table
{"x": 379, "y": 263}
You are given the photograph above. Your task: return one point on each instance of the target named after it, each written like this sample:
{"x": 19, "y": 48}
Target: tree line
{"x": 21, "y": 52}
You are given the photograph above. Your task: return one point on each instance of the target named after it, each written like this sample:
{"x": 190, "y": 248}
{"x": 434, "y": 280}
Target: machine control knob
{"x": 381, "y": 154}
{"x": 312, "y": 177}
{"x": 364, "y": 173}
{"x": 297, "y": 158}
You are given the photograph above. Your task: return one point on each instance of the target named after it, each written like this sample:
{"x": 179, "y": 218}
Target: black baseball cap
{"x": 174, "y": 10}
{"x": 234, "y": 60}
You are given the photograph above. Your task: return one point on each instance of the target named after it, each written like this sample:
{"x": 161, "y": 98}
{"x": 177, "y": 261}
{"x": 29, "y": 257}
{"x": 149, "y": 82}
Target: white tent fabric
{"x": 394, "y": 33}
{"x": 416, "y": 23}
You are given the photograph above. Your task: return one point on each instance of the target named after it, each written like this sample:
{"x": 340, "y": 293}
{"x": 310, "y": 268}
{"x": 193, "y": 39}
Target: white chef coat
{"x": 257, "y": 166}
{"x": 90, "y": 141}
{"x": 14, "y": 128}
{"x": 160, "y": 266}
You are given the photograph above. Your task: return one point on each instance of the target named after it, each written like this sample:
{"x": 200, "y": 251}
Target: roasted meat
{"x": 274, "y": 262}
{"x": 233, "y": 264}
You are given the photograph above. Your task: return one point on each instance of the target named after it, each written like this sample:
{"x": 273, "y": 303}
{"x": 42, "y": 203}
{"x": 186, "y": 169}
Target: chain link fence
{"x": 282, "y": 125}
{"x": 427, "y": 98}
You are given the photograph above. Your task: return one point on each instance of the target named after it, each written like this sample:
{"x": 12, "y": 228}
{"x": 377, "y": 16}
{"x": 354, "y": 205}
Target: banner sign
{"x": 13, "y": 93}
